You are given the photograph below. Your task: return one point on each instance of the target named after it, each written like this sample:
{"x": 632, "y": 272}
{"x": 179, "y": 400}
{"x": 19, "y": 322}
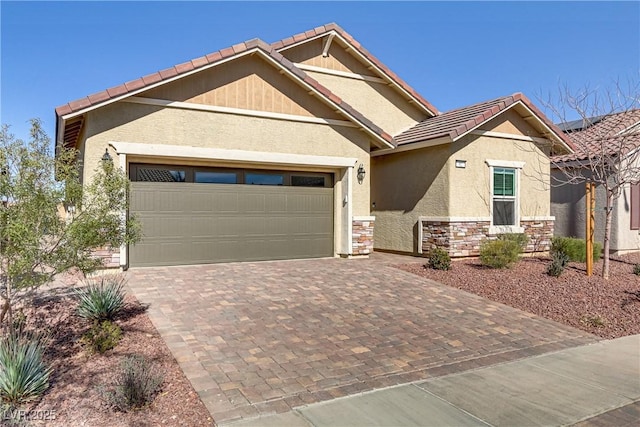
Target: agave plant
{"x": 102, "y": 298}
{"x": 23, "y": 374}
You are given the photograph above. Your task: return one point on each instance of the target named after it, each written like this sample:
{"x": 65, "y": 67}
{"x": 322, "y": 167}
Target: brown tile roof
{"x": 607, "y": 135}
{"x": 457, "y": 122}
{"x": 281, "y": 44}
{"x": 99, "y": 98}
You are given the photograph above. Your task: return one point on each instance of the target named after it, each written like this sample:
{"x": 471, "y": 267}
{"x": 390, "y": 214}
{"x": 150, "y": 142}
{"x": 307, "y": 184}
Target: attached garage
{"x": 207, "y": 215}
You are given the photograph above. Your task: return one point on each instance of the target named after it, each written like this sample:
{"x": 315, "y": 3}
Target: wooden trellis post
{"x": 590, "y": 224}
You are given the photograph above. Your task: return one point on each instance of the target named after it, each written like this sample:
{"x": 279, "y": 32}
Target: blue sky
{"x": 454, "y": 53}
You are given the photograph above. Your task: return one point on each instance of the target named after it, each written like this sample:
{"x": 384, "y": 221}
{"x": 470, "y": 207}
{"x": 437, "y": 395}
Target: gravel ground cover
{"x": 75, "y": 396}
{"x": 607, "y": 308}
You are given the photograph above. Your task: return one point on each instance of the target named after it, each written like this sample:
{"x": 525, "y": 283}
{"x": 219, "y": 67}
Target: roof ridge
{"x": 453, "y": 124}
{"x": 139, "y": 84}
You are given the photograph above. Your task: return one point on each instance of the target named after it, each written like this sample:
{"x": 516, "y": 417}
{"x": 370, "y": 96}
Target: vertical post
{"x": 590, "y": 220}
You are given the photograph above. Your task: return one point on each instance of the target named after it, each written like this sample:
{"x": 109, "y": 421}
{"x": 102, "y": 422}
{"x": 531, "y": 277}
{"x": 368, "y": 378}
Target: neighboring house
{"x": 287, "y": 150}
{"x": 603, "y": 136}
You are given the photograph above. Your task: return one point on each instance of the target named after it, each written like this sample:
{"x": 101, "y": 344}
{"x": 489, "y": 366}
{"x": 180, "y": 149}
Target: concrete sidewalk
{"x": 600, "y": 380}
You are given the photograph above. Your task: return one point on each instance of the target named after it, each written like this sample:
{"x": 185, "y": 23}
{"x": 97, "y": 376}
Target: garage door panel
{"x": 187, "y": 223}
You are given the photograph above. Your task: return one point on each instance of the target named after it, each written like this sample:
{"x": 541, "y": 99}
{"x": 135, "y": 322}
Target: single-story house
{"x": 310, "y": 147}
{"x": 604, "y": 137}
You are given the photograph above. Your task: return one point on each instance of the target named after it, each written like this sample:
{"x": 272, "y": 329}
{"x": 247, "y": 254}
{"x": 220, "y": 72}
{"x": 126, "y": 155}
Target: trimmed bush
{"x": 439, "y": 259}
{"x": 102, "y": 298}
{"x": 136, "y": 385}
{"x": 501, "y": 253}
{"x": 574, "y": 248}
{"x": 520, "y": 239}
{"x": 102, "y": 336}
{"x": 558, "y": 263}
{"x": 636, "y": 269}
{"x": 23, "y": 374}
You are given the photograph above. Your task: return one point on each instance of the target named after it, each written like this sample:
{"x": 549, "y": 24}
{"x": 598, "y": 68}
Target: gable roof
{"x": 455, "y": 124}
{"x": 78, "y": 107}
{"x": 606, "y": 135}
{"x": 346, "y": 38}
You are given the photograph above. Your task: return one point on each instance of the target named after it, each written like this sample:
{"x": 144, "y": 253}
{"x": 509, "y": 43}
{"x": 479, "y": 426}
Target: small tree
{"x": 606, "y": 137}
{"x": 36, "y": 241}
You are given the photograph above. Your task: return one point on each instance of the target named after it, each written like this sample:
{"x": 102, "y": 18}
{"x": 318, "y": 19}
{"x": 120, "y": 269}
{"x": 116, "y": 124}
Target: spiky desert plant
{"x": 24, "y": 376}
{"x": 101, "y": 298}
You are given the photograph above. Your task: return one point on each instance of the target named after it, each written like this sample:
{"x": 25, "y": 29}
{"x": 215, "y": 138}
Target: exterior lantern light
{"x": 106, "y": 157}
{"x": 361, "y": 173}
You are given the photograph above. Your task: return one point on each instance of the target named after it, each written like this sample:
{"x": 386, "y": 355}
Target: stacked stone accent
{"x": 463, "y": 238}
{"x": 110, "y": 256}
{"x": 362, "y": 236}
{"x": 540, "y": 233}
{"x": 458, "y": 238}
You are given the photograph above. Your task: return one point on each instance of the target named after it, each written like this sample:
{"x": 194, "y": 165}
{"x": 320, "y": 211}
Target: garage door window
{"x": 307, "y": 181}
{"x": 216, "y": 177}
{"x": 220, "y": 175}
{"x": 160, "y": 175}
{"x": 255, "y": 178}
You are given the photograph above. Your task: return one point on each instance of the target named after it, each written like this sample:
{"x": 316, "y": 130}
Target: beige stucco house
{"x": 309, "y": 147}
{"x": 603, "y": 137}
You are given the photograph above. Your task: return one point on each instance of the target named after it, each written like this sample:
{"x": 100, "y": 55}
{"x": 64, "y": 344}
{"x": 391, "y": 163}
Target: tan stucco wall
{"x": 470, "y": 189}
{"x": 248, "y": 83}
{"x": 406, "y": 186}
{"x": 425, "y": 182}
{"x": 339, "y": 59}
{"x": 512, "y": 123}
{"x": 377, "y": 101}
{"x": 626, "y": 239}
{"x": 125, "y": 122}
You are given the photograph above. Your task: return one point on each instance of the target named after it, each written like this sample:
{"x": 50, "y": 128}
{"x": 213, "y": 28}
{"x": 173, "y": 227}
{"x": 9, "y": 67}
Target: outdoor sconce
{"x": 106, "y": 157}
{"x": 361, "y": 173}
{"x": 461, "y": 164}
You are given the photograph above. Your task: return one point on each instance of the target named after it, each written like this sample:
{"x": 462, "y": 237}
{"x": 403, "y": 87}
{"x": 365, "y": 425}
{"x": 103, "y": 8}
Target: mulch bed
{"x": 607, "y": 308}
{"x": 74, "y": 397}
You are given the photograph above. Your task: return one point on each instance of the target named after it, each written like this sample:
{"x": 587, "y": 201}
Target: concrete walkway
{"x": 594, "y": 385}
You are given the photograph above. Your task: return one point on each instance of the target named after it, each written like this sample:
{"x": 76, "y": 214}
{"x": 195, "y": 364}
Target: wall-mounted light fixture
{"x": 361, "y": 173}
{"x": 106, "y": 157}
{"x": 461, "y": 164}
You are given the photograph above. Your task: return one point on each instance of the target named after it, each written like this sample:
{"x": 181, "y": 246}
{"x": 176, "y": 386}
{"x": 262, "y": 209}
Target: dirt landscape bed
{"x": 74, "y": 397}
{"x": 607, "y": 308}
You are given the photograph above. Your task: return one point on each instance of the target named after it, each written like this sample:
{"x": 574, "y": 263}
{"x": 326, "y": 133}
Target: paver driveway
{"x": 256, "y": 338}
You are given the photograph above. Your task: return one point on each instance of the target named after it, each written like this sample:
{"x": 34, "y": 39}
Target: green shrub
{"x": 501, "y": 253}
{"x": 102, "y": 298}
{"x": 574, "y": 248}
{"x": 559, "y": 261}
{"x": 23, "y": 374}
{"x": 520, "y": 239}
{"x": 102, "y": 336}
{"x": 439, "y": 259}
{"x": 136, "y": 384}
{"x": 636, "y": 269}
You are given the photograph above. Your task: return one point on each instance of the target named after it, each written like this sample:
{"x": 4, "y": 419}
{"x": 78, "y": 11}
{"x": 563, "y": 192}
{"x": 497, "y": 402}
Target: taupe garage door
{"x": 198, "y": 223}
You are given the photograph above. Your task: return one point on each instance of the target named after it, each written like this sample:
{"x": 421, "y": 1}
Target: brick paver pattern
{"x": 259, "y": 338}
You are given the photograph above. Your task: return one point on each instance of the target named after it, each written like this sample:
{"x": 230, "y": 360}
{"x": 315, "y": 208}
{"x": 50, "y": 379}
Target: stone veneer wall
{"x": 463, "y": 238}
{"x": 110, "y": 256}
{"x": 362, "y": 236}
{"x": 540, "y": 233}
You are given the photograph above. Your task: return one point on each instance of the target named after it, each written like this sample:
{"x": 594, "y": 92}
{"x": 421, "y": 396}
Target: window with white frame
{"x": 504, "y": 196}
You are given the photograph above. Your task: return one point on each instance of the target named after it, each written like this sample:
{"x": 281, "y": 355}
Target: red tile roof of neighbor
{"x": 324, "y": 29}
{"x": 457, "y": 122}
{"x": 137, "y": 85}
{"x": 608, "y": 135}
